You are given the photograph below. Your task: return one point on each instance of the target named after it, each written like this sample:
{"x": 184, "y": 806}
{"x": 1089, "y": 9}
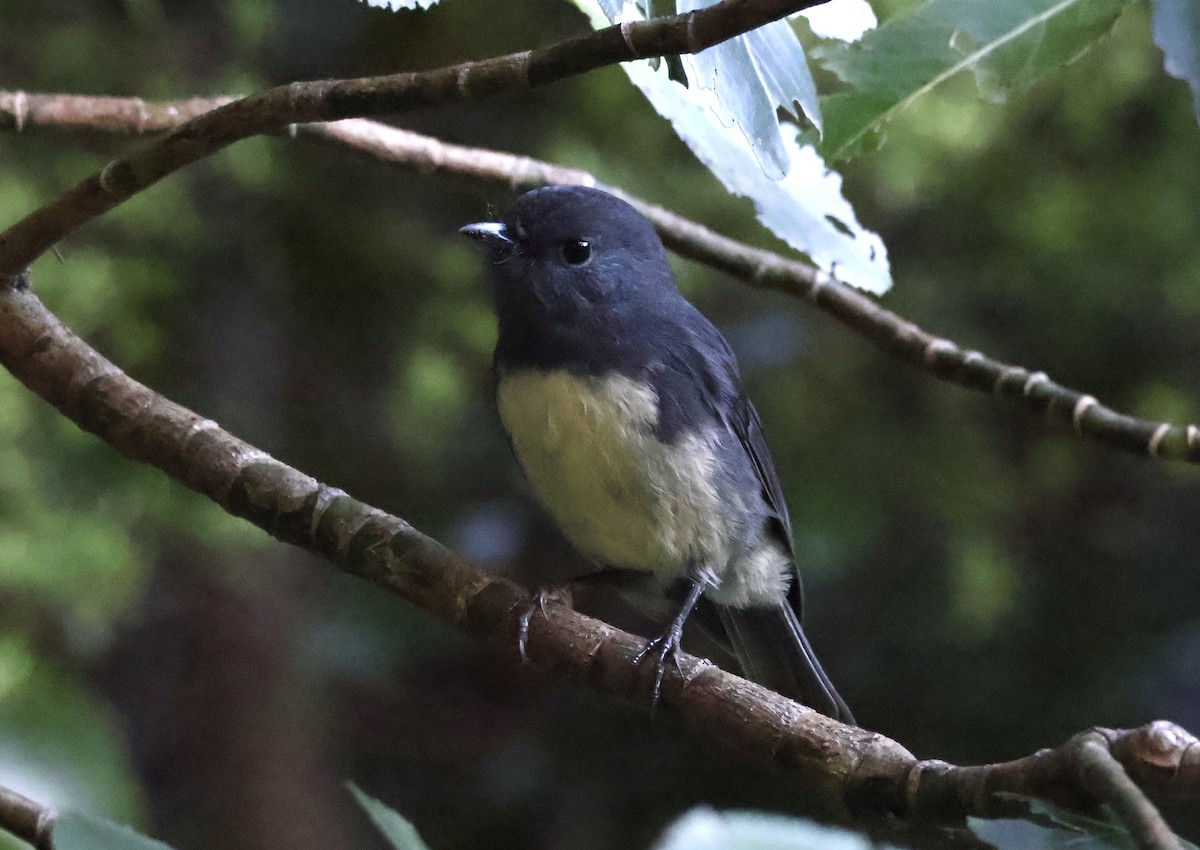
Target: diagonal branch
{"x": 1079, "y": 412}
{"x": 27, "y": 820}
{"x": 848, "y": 772}
{"x": 323, "y": 100}
{"x": 363, "y": 541}
{"x": 1094, "y": 768}
{"x": 1103, "y": 777}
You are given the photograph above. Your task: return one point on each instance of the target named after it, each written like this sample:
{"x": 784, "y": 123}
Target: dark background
{"x": 979, "y": 584}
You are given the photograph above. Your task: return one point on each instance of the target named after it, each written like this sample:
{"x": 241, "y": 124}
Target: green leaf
{"x": 60, "y": 744}
{"x": 708, "y": 829}
{"x": 77, "y": 831}
{"x": 1006, "y": 44}
{"x": 749, "y": 76}
{"x": 1057, "y": 827}
{"x": 1176, "y": 28}
{"x": 782, "y": 69}
{"x": 1108, "y": 830}
{"x": 399, "y": 832}
{"x": 1020, "y": 834}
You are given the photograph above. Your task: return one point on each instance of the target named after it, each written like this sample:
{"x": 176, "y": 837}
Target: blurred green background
{"x": 979, "y": 585}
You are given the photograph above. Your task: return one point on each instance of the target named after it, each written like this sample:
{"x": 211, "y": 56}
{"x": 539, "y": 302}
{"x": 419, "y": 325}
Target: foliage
{"x": 1005, "y": 45}
{"x": 705, "y": 829}
{"x": 726, "y": 115}
{"x": 1057, "y": 828}
{"x": 60, "y": 738}
{"x": 977, "y": 586}
{"x": 1176, "y": 26}
{"x": 752, "y": 76}
{"x": 76, "y": 831}
{"x": 725, "y": 109}
{"x": 400, "y": 833}
{"x": 699, "y": 829}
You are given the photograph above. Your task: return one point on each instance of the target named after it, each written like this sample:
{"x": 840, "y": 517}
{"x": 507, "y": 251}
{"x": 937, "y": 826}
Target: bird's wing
{"x": 718, "y": 370}
{"x": 740, "y": 416}
{"x": 748, "y": 428}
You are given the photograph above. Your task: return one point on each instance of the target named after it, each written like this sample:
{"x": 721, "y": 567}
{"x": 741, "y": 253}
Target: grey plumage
{"x": 624, "y": 408}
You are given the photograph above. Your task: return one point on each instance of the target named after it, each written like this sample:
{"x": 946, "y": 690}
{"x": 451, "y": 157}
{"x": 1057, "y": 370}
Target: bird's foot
{"x": 660, "y": 649}
{"x": 560, "y": 594}
{"x": 667, "y": 644}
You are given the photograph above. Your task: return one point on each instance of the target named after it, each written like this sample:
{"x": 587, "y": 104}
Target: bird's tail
{"x": 771, "y": 647}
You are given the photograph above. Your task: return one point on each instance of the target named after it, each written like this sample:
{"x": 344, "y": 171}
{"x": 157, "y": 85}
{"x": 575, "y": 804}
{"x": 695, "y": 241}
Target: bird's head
{"x": 564, "y": 249}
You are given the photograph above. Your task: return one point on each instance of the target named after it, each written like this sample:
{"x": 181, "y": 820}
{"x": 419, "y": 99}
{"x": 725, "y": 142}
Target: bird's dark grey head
{"x": 565, "y": 249}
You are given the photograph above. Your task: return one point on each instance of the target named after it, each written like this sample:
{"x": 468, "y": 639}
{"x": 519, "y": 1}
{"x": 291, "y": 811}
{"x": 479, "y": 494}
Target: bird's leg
{"x": 562, "y": 593}
{"x": 667, "y": 644}
{"x": 541, "y": 596}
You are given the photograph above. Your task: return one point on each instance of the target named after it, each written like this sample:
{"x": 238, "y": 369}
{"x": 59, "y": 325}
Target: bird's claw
{"x": 540, "y": 597}
{"x": 662, "y": 647}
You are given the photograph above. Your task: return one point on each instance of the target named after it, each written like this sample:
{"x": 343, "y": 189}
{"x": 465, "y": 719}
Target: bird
{"x": 623, "y": 406}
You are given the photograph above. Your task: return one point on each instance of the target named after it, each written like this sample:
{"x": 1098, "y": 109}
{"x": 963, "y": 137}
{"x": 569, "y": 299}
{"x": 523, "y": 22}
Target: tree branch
{"x": 141, "y": 424}
{"x": 117, "y": 115}
{"x": 324, "y": 100}
{"x": 25, "y": 819}
{"x": 1079, "y": 412}
{"x": 848, "y": 772}
{"x": 1095, "y": 767}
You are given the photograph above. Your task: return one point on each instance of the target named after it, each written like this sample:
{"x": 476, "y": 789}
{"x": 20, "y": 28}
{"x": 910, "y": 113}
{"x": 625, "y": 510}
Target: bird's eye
{"x": 576, "y": 251}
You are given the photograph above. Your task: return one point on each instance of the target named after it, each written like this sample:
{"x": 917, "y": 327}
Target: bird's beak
{"x": 493, "y": 234}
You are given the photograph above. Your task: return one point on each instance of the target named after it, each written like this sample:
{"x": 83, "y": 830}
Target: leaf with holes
{"x": 750, "y": 77}
{"x": 806, "y": 208}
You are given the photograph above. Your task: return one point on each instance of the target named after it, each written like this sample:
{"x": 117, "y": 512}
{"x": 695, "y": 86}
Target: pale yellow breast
{"x": 588, "y": 447}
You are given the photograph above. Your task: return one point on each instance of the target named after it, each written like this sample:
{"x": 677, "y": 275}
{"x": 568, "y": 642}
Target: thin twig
{"x": 27, "y": 820}
{"x": 1103, "y": 777}
{"x": 945, "y": 359}
{"x": 1079, "y": 412}
{"x": 1113, "y": 767}
{"x": 98, "y": 114}
{"x": 272, "y": 111}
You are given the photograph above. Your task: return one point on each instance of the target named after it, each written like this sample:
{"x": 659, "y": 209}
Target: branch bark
{"x": 27, "y": 820}
{"x": 851, "y": 773}
{"x": 1078, "y": 412}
